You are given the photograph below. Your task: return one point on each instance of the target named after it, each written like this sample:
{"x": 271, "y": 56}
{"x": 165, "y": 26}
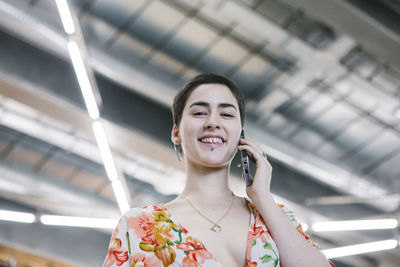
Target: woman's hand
{"x": 262, "y": 178}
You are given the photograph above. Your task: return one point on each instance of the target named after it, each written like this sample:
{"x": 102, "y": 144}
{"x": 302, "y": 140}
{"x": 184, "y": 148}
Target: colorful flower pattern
{"x": 148, "y": 237}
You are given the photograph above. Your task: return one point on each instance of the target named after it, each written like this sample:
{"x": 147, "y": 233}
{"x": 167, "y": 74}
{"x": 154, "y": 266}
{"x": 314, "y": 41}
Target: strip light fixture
{"x": 78, "y": 221}
{"x": 90, "y": 102}
{"x": 91, "y": 105}
{"x": 66, "y": 18}
{"x": 355, "y": 225}
{"x": 105, "y": 151}
{"x": 83, "y": 80}
{"x": 360, "y": 248}
{"x": 120, "y": 195}
{"x": 16, "y": 216}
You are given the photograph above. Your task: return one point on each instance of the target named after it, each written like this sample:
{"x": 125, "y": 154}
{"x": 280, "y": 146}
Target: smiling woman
{"x": 207, "y": 225}
{"x": 210, "y": 126}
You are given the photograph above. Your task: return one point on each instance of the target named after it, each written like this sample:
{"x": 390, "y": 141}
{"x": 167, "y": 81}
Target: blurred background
{"x": 321, "y": 81}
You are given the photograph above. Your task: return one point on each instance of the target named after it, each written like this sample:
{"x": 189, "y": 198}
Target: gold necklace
{"x": 216, "y": 227}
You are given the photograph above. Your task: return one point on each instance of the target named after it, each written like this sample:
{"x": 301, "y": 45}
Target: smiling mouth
{"x": 211, "y": 140}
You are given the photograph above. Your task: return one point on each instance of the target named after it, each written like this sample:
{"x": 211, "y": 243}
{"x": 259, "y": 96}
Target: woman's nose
{"x": 211, "y": 123}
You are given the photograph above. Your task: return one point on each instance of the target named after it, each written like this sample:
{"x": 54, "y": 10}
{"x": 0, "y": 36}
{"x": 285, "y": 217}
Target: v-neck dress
{"x": 149, "y": 236}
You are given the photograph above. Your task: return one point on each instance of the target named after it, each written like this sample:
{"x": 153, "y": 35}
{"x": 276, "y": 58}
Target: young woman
{"x": 207, "y": 225}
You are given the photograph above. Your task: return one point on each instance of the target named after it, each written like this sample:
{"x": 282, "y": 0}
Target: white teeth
{"x": 212, "y": 140}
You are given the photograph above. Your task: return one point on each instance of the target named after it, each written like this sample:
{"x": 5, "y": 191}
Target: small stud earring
{"x": 177, "y": 152}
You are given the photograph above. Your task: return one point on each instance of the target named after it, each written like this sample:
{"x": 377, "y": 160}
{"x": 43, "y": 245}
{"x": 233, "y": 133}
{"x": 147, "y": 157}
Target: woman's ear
{"x": 175, "y": 136}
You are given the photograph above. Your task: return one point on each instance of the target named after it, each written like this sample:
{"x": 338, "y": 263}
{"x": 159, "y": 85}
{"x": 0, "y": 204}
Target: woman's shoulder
{"x": 254, "y": 209}
{"x": 289, "y": 213}
{"x": 135, "y": 211}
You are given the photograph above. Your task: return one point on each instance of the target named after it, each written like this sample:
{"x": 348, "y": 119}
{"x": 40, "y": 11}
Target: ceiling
{"x": 321, "y": 82}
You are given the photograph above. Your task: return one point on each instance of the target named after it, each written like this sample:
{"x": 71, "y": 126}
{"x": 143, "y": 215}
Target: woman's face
{"x": 210, "y": 127}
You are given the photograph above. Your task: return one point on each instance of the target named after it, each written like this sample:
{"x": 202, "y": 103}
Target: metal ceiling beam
{"x": 36, "y": 32}
{"x": 132, "y": 150}
{"x": 340, "y": 200}
{"x": 346, "y": 18}
{"x": 23, "y": 185}
{"x": 279, "y": 61}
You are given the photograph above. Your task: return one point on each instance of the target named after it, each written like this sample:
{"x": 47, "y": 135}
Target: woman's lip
{"x": 212, "y": 136}
{"x": 212, "y": 144}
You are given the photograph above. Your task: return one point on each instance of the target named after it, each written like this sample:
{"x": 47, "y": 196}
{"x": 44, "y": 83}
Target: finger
{"x": 254, "y": 149}
{"x": 249, "y": 143}
{"x": 252, "y": 152}
{"x": 254, "y": 156}
{"x": 262, "y": 153}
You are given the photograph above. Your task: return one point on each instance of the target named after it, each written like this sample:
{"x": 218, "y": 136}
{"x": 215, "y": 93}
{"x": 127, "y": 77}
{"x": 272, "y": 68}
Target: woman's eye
{"x": 227, "y": 115}
{"x": 199, "y": 113}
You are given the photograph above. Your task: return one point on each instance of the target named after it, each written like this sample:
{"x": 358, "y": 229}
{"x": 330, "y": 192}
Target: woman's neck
{"x": 207, "y": 186}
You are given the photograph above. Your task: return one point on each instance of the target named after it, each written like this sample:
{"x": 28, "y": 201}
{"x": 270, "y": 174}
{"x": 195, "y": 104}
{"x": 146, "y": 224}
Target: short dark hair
{"x": 206, "y": 78}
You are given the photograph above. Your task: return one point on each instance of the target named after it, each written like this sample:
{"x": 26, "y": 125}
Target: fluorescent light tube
{"x": 120, "y": 195}
{"x": 105, "y": 151}
{"x": 66, "y": 17}
{"x": 355, "y": 225}
{"x": 360, "y": 248}
{"x": 15, "y": 216}
{"x": 78, "y": 221}
{"x": 304, "y": 226}
{"x": 83, "y": 80}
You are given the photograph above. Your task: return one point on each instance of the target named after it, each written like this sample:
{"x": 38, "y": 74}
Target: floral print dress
{"x": 149, "y": 237}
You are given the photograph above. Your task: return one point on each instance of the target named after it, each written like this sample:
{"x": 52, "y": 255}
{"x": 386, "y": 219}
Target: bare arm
{"x": 293, "y": 248}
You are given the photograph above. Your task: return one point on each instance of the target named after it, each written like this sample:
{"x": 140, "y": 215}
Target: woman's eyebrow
{"x": 226, "y": 105}
{"x": 205, "y": 104}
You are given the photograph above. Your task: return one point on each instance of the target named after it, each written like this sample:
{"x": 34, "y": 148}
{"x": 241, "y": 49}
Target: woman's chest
{"x": 229, "y": 250}
{"x": 227, "y": 246}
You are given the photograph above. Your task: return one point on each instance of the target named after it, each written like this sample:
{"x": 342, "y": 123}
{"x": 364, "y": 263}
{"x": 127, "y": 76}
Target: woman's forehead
{"x": 212, "y": 94}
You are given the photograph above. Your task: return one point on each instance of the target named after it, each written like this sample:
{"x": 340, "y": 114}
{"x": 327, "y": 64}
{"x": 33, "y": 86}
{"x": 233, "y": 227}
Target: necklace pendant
{"x": 216, "y": 228}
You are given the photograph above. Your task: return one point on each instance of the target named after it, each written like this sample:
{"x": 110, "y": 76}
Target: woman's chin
{"x": 213, "y": 163}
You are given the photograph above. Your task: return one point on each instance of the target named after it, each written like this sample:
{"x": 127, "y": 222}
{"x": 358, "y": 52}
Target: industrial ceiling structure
{"x": 322, "y": 86}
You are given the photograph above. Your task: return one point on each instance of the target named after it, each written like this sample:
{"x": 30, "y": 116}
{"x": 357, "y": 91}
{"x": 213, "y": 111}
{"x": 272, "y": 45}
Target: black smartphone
{"x": 245, "y": 164}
